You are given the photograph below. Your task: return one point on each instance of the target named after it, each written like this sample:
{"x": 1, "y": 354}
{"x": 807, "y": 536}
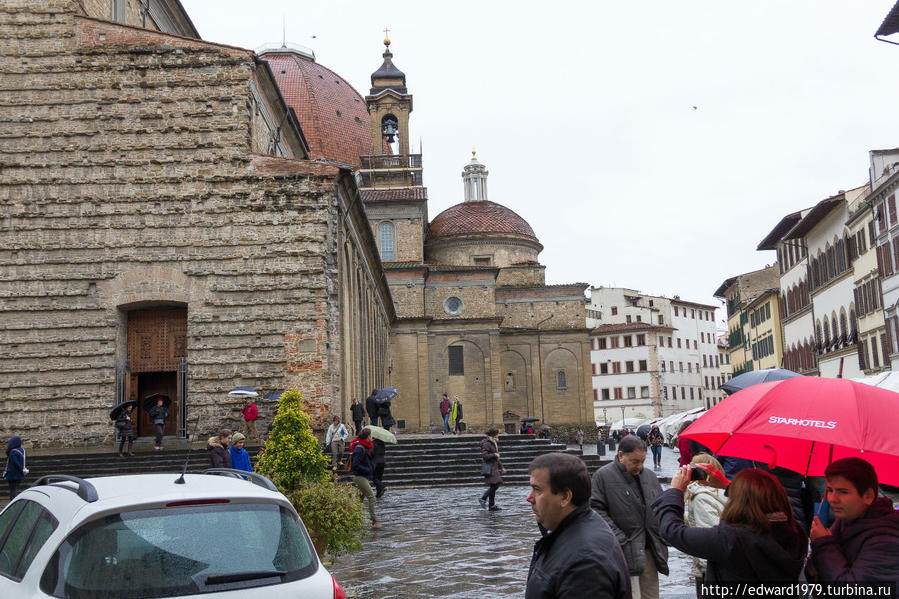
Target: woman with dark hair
{"x": 757, "y": 539}
{"x": 492, "y": 469}
{"x": 361, "y": 449}
{"x": 15, "y": 470}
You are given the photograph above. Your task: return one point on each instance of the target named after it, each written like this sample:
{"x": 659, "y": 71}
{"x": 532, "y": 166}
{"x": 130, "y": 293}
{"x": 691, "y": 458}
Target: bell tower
{"x": 389, "y": 105}
{"x": 390, "y": 179}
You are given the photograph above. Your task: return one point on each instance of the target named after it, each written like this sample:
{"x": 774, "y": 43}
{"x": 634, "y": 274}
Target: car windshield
{"x": 182, "y": 550}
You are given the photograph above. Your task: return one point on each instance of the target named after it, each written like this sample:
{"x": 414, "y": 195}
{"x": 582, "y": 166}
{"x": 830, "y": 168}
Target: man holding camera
{"x": 622, "y": 494}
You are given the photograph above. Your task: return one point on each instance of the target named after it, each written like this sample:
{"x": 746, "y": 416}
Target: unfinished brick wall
{"x": 128, "y": 181}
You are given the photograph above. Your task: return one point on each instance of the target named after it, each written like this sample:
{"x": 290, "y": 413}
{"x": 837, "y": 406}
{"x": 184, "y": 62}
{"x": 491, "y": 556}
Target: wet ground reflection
{"x": 439, "y": 543}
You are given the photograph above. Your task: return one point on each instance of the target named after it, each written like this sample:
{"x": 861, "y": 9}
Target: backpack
{"x": 348, "y": 465}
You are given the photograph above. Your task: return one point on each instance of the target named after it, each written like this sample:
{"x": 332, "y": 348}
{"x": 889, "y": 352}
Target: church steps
{"x": 427, "y": 461}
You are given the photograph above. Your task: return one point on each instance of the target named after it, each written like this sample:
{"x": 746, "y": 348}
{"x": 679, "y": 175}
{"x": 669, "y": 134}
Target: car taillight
{"x": 338, "y": 592}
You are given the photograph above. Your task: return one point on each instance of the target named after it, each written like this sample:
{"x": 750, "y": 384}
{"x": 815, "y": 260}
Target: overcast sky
{"x": 649, "y": 144}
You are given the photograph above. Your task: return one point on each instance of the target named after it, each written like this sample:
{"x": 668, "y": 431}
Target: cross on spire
{"x": 387, "y": 36}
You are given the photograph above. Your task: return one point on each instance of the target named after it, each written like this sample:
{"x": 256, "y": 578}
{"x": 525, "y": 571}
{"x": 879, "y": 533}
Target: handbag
{"x": 24, "y": 469}
{"x": 486, "y": 469}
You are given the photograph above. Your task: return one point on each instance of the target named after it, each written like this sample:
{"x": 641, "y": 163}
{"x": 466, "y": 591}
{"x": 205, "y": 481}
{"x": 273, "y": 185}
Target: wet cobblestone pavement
{"x": 437, "y": 542}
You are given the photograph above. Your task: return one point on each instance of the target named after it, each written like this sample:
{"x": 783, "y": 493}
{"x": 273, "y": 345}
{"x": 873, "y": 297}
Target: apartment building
{"x": 651, "y": 355}
{"x": 752, "y": 319}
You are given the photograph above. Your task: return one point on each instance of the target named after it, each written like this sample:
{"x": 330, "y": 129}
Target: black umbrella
{"x": 754, "y": 377}
{"x": 386, "y": 394}
{"x": 530, "y": 419}
{"x": 150, "y": 401}
{"x": 114, "y": 413}
{"x": 273, "y": 395}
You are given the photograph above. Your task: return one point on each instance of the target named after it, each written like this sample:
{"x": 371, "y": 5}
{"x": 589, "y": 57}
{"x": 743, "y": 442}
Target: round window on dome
{"x": 453, "y": 305}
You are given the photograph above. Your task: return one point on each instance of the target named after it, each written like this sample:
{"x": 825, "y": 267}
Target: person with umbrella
{"x": 363, "y": 469}
{"x": 863, "y": 543}
{"x": 158, "y": 414}
{"x": 125, "y": 426}
{"x": 371, "y": 407}
{"x": 382, "y": 400}
{"x": 379, "y": 438}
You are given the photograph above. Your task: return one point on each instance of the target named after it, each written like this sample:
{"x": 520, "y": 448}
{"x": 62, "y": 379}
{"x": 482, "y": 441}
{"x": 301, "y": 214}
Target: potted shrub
{"x": 293, "y": 460}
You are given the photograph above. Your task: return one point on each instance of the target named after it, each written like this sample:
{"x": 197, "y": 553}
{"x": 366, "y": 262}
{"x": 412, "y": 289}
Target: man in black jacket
{"x": 622, "y": 494}
{"x": 358, "y": 413}
{"x": 577, "y": 555}
{"x": 863, "y": 544}
{"x": 371, "y": 408}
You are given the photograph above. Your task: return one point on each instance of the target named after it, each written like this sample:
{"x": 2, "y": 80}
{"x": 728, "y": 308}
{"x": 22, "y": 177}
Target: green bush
{"x": 292, "y": 453}
{"x": 332, "y": 513}
{"x": 293, "y": 460}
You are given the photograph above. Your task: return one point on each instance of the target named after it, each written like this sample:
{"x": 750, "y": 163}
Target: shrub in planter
{"x": 292, "y": 453}
{"x": 332, "y": 513}
{"x": 293, "y": 460}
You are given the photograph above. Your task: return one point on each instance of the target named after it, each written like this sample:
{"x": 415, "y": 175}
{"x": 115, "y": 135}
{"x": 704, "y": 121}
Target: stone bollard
{"x": 600, "y": 448}
{"x": 611, "y": 444}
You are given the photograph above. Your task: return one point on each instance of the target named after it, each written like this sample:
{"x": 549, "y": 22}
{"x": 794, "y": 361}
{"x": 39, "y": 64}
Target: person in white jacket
{"x": 335, "y": 439}
{"x": 703, "y": 505}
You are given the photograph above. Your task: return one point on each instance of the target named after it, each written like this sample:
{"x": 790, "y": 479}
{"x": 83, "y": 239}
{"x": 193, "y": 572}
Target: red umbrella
{"x": 805, "y": 423}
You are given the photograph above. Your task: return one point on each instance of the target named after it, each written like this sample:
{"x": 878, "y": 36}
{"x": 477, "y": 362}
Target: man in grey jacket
{"x": 622, "y": 494}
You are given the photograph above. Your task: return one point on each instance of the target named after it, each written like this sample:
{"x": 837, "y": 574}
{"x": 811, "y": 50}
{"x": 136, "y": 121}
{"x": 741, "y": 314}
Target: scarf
{"x": 363, "y": 442}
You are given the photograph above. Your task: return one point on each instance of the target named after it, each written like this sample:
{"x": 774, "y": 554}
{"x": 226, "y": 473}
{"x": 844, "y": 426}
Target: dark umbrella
{"x": 386, "y": 394}
{"x": 114, "y": 413}
{"x": 150, "y": 401}
{"x": 754, "y": 377}
{"x": 643, "y": 430}
{"x": 273, "y": 395}
{"x": 544, "y": 426}
{"x": 530, "y": 419}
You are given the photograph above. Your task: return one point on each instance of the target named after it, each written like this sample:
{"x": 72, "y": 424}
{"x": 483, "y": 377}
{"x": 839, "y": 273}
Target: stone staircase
{"x": 415, "y": 461}
{"x": 456, "y": 460}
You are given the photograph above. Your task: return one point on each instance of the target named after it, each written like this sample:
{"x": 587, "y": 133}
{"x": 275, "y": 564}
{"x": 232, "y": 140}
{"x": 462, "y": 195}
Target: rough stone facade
{"x": 132, "y": 181}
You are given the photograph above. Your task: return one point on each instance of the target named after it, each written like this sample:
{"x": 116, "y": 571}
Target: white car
{"x": 214, "y": 534}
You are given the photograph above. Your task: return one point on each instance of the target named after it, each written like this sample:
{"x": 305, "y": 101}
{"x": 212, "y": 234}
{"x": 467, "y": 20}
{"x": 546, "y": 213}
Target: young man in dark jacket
{"x": 623, "y": 493}
{"x": 863, "y": 544}
{"x": 577, "y": 555}
{"x": 358, "y": 413}
{"x": 371, "y": 408}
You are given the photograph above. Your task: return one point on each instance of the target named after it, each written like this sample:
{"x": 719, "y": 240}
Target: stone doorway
{"x": 157, "y": 342}
{"x": 157, "y": 382}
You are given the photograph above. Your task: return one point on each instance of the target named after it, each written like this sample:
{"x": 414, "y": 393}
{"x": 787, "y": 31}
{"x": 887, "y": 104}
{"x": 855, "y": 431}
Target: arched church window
{"x": 560, "y": 380}
{"x": 386, "y": 233}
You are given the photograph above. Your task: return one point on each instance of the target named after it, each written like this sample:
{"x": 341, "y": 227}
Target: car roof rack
{"x": 85, "y": 490}
{"x": 256, "y": 479}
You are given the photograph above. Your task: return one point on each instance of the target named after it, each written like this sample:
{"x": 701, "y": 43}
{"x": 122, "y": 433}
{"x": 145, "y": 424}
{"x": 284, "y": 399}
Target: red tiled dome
{"x": 478, "y": 217}
{"x": 332, "y": 114}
